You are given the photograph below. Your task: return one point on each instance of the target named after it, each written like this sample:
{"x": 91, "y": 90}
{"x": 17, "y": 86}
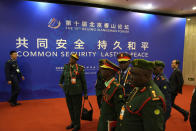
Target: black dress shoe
{"x": 9, "y": 101}
{"x": 12, "y": 104}
{"x": 70, "y": 126}
{"x": 186, "y": 116}
{"x": 17, "y": 104}
{"x": 76, "y": 128}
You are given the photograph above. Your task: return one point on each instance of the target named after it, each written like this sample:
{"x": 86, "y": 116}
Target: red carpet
{"x": 52, "y": 115}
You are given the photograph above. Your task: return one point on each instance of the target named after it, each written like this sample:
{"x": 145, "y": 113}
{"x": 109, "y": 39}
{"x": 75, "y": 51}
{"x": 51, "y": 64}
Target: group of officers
{"x": 131, "y": 98}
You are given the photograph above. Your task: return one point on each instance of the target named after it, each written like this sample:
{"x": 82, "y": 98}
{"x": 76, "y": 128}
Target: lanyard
{"x": 125, "y": 78}
{"x": 76, "y": 72}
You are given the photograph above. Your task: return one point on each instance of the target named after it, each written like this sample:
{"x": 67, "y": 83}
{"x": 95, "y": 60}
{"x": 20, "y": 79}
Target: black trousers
{"x": 15, "y": 90}
{"x": 179, "y": 109}
{"x": 74, "y": 104}
{"x": 99, "y": 100}
{"x": 193, "y": 112}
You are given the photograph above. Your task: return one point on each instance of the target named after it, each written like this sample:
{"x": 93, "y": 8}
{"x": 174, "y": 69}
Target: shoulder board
{"x": 81, "y": 66}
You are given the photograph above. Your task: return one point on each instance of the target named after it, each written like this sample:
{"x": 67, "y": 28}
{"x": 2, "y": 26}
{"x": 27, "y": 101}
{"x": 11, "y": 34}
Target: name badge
{"x": 73, "y": 80}
{"x": 122, "y": 113}
{"x": 17, "y": 70}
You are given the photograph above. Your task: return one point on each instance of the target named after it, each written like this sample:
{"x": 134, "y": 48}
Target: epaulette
{"x": 81, "y": 67}
{"x": 154, "y": 96}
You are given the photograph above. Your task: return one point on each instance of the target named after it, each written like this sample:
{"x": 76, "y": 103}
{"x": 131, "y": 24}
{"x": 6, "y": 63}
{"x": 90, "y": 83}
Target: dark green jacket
{"x": 113, "y": 99}
{"x": 125, "y": 80}
{"x": 99, "y": 84}
{"x": 144, "y": 110}
{"x": 80, "y": 86}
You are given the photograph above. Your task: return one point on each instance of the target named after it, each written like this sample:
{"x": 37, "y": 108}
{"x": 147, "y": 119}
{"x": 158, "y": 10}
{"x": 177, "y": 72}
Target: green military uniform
{"x": 124, "y": 77}
{"x": 73, "y": 90}
{"x": 163, "y": 84}
{"x": 99, "y": 88}
{"x": 113, "y": 99}
{"x": 144, "y": 108}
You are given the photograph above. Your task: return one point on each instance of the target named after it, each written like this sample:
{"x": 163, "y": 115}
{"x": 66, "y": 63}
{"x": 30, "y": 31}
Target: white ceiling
{"x": 174, "y": 7}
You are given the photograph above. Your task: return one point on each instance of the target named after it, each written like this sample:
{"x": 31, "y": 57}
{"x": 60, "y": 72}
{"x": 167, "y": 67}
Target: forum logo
{"x": 54, "y": 23}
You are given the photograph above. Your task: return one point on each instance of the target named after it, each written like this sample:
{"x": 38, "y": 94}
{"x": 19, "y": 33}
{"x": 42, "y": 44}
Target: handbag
{"x": 87, "y": 114}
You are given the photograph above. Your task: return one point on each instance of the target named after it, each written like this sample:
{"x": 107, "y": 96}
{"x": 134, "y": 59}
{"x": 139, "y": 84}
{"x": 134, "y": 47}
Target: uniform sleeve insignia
{"x": 154, "y": 96}
{"x": 154, "y": 93}
{"x": 157, "y": 111}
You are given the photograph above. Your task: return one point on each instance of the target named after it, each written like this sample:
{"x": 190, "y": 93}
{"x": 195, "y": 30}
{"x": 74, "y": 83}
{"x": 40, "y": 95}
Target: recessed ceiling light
{"x": 194, "y": 8}
{"x": 144, "y": 6}
{"x": 188, "y": 19}
{"x": 148, "y": 7}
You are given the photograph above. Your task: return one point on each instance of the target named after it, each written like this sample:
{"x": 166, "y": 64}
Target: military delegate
{"x": 99, "y": 84}
{"x": 124, "y": 75}
{"x": 13, "y": 77}
{"x": 74, "y": 85}
{"x": 163, "y": 84}
{"x": 113, "y": 96}
{"x": 145, "y": 106}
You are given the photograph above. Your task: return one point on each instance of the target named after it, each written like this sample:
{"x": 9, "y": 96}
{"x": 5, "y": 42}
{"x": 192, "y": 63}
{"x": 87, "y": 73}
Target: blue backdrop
{"x": 45, "y": 34}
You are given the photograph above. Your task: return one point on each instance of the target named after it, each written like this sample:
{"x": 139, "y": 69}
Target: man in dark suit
{"x": 176, "y": 82}
{"x": 193, "y": 111}
{"x": 13, "y": 77}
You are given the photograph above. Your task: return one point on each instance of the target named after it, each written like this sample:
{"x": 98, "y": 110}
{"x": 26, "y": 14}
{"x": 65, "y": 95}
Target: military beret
{"x": 159, "y": 63}
{"x": 144, "y": 64}
{"x": 74, "y": 55}
{"x": 123, "y": 57}
{"x": 107, "y": 64}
